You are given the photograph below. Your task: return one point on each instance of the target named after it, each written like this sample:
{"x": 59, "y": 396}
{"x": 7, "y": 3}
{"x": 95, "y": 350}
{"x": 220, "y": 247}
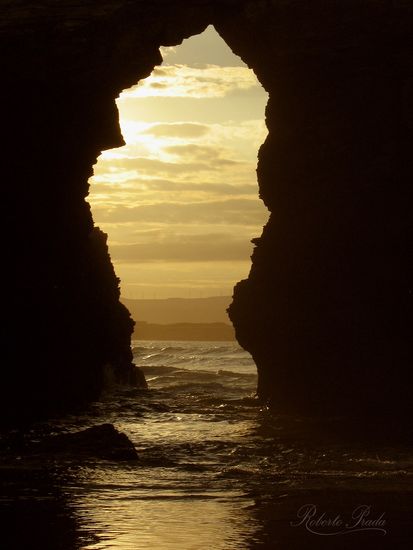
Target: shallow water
{"x": 215, "y": 471}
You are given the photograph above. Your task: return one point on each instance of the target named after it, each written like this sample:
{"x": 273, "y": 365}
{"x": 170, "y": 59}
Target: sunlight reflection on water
{"x": 170, "y": 523}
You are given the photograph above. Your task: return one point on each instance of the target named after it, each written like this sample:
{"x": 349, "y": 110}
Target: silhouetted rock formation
{"x": 326, "y": 310}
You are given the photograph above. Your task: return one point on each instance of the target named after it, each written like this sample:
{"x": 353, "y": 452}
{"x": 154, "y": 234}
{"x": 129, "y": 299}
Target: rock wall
{"x": 325, "y": 311}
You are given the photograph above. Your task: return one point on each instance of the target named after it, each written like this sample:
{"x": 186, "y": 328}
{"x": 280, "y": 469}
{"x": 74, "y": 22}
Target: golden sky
{"x": 180, "y": 201}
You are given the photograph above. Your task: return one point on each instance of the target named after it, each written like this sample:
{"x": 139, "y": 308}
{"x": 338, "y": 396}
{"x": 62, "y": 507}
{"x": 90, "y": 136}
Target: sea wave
{"x": 219, "y": 382}
{"x": 200, "y": 356}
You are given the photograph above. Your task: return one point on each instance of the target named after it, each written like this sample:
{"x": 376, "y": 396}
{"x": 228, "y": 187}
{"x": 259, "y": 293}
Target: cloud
{"x": 203, "y": 152}
{"x": 132, "y": 167}
{"x": 208, "y": 187}
{"x": 214, "y": 247}
{"x": 156, "y": 166}
{"x": 180, "y": 130}
{"x": 158, "y": 85}
{"x": 196, "y": 82}
{"x": 247, "y": 212}
{"x": 134, "y": 189}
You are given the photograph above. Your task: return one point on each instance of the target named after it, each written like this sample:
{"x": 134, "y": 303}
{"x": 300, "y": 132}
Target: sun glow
{"x": 197, "y": 82}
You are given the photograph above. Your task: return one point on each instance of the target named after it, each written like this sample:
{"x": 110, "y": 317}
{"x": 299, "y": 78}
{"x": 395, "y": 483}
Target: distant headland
{"x": 210, "y": 332}
{"x": 202, "y": 319}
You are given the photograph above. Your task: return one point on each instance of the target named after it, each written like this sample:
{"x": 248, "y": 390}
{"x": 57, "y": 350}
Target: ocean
{"x": 216, "y": 470}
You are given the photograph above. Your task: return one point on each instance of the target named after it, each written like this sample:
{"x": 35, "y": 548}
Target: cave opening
{"x": 179, "y": 201}
{"x": 325, "y": 312}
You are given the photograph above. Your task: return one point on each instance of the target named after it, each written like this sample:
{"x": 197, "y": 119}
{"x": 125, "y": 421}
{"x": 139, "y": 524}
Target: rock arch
{"x": 325, "y": 311}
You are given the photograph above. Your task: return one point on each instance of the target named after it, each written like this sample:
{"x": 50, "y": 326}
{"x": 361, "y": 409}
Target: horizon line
{"x": 177, "y": 298}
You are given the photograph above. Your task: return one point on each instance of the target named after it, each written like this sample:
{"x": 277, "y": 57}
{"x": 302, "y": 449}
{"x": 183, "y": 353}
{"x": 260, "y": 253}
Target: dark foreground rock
{"x": 103, "y": 441}
{"x": 139, "y": 380}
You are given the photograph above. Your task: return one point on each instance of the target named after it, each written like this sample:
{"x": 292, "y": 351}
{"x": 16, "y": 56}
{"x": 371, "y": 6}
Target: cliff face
{"x": 325, "y": 310}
